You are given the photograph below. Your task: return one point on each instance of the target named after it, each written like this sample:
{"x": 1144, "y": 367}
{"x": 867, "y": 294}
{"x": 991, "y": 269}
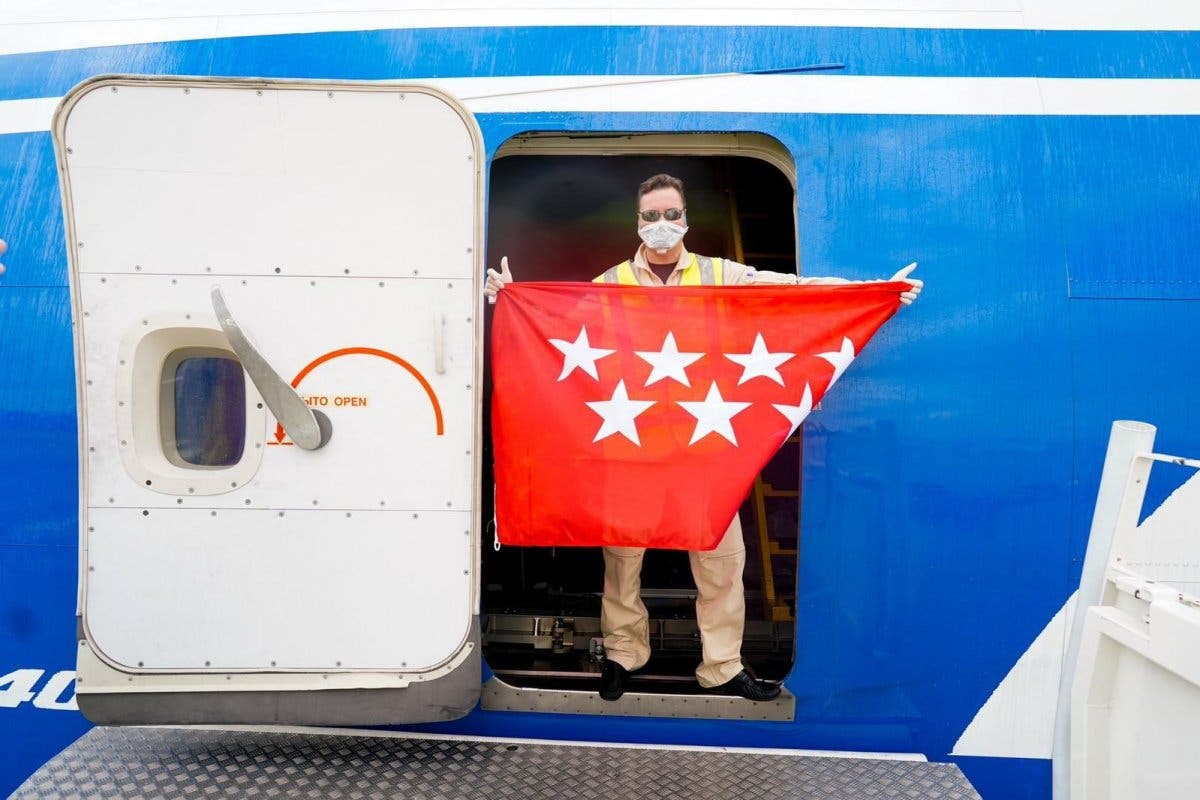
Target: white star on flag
{"x": 840, "y": 360}
{"x": 713, "y": 415}
{"x": 759, "y": 362}
{"x": 668, "y": 362}
{"x": 579, "y": 354}
{"x": 796, "y": 414}
{"x": 618, "y": 414}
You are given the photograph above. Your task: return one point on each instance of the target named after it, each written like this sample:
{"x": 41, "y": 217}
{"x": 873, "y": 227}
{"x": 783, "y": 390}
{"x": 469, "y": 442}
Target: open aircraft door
{"x": 276, "y": 333}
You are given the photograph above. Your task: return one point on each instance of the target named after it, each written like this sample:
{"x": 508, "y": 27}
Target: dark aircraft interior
{"x": 568, "y": 217}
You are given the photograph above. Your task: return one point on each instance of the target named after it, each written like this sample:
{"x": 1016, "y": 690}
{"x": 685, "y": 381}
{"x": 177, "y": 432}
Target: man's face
{"x": 661, "y": 200}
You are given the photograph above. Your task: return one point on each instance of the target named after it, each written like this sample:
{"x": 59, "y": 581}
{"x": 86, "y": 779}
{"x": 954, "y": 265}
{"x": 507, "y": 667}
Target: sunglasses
{"x": 670, "y": 215}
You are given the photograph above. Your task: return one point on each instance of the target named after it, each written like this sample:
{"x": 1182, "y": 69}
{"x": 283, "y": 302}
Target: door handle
{"x": 307, "y": 427}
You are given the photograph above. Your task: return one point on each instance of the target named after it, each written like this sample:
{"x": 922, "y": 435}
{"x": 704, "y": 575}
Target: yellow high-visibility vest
{"x": 702, "y": 271}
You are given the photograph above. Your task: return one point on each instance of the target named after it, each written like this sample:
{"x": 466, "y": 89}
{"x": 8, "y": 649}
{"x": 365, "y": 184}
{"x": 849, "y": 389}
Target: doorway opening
{"x": 561, "y": 207}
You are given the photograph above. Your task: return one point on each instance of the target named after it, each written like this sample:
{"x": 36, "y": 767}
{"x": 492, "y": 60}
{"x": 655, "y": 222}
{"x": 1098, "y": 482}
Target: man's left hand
{"x": 914, "y": 286}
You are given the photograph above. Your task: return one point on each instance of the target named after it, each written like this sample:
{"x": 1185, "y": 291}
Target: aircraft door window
{"x": 189, "y": 420}
{"x": 203, "y": 409}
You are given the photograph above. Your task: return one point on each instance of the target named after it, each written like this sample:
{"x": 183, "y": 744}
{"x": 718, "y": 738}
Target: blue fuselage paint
{"x": 948, "y": 485}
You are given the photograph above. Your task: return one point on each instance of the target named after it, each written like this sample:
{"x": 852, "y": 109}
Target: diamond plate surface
{"x": 169, "y": 762}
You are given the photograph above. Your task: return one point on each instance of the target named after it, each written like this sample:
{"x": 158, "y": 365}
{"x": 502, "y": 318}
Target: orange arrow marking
{"x": 367, "y": 351}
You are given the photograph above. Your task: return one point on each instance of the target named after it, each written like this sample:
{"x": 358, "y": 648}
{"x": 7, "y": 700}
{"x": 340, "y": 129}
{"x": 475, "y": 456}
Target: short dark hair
{"x": 661, "y": 181}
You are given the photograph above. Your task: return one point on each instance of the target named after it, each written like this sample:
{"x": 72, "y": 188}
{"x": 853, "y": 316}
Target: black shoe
{"x": 613, "y": 680}
{"x": 746, "y": 685}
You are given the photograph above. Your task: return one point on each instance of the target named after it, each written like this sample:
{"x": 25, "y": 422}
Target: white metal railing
{"x": 1130, "y": 690}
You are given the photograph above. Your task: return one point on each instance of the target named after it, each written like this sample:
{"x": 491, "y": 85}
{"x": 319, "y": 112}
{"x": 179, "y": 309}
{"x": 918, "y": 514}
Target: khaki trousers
{"x": 720, "y": 607}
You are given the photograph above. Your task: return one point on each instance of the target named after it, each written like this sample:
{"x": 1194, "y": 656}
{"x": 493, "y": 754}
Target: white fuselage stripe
{"x": 780, "y": 94}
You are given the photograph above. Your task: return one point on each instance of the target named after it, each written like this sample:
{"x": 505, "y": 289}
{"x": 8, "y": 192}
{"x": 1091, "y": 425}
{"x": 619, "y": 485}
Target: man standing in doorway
{"x": 662, "y": 260}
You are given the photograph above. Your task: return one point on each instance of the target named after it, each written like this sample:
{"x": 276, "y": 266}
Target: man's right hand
{"x": 497, "y": 280}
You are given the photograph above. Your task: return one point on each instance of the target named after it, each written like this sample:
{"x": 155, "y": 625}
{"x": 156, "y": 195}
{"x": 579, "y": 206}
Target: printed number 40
{"x": 17, "y": 687}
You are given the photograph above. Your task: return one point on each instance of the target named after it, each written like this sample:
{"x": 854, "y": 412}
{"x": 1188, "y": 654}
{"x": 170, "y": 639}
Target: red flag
{"x": 640, "y": 416}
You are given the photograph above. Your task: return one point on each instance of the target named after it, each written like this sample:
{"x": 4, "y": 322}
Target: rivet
{"x": 449, "y": 285}
{"x": 179, "y": 501}
{"x": 281, "y": 513}
{"x": 208, "y": 663}
{"x": 110, "y": 500}
{"x": 414, "y": 516}
{"x": 381, "y": 284}
{"x": 191, "y": 490}
{"x": 233, "y": 485}
{"x": 228, "y": 677}
{"x": 448, "y": 504}
{"x": 145, "y": 513}
{"x": 81, "y": 244}
{"x": 89, "y": 383}
{"x": 314, "y": 502}
{"x": 468, "y": 319}
{"x": 347, "y": 515}
{"x": 416, "y": 272}
{"x": 329, "y": 94}
{"x": 69, "y": 151}
{"x": 468, "y": 387}
{"x": 259, "y": 92}
{"x": 91, "y": 569}
{"x": 247, "y": 501}
{"x": 91, "y": 529}
{"x": 121, "y": 402}
{"x": 212, "y": 513}
{"x": 187, "y": 91}
{"x": 174, "y": 282}
{"x": 401, "y": 97}
{"x": 137, "y": 267}
{"x": 277, "y": 270}
{"x": 141, "y": 664}
{"x": 338, "y": 664}
{"x": 208, "y": 269}
{"x": 243, "y": 283}
{"x": 468, "y": 249}
{"x": 470, "y": 158}
{"x": 91, "y": 449}
{"x": 258, "y": 405}
{"x": 145, "y": 322}
{"x": 105, "y": 280}
{"x": 122, "y": 362}
{"x": 258, "y": 445}
{"x": 187, "y": 316}
{"x": 122, "y": 443}
{"x": 312, "y": 283}
{"x": 114, "y": 89}
{"x": 346, "y": 271}
{"x": 272, "y": 663}
{"x": 466, "y": 572}
{"x": 382, "y": 503}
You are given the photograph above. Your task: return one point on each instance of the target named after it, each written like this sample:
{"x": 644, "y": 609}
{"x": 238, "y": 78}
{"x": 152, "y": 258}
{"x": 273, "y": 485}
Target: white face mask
{"x": 662, "y": 235}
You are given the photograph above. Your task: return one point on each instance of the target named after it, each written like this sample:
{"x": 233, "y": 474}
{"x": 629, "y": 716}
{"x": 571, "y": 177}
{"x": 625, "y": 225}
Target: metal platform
{"x": 174, "y": 762}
